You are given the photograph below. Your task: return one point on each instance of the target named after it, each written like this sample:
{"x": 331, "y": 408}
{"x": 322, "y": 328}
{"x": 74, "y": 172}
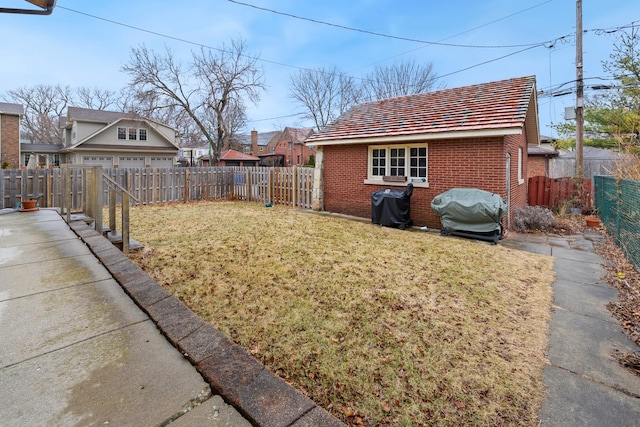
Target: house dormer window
{"x": 142, "y": 133}
{"x": 122, "y": 133}
{"x": 133, "y": 134}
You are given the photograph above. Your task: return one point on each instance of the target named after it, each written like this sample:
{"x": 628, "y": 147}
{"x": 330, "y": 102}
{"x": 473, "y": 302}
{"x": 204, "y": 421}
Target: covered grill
{"x": 391, "y": 208}
{"x": 470, "y": 212}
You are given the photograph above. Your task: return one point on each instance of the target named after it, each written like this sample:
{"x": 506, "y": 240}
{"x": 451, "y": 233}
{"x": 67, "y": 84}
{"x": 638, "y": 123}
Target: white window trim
{"x": 520, "y": 176}
{"x": 417, "y": 182}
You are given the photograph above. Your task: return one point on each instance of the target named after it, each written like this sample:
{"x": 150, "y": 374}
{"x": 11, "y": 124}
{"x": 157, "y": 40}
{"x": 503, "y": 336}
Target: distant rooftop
{"x": 9, "y": 108}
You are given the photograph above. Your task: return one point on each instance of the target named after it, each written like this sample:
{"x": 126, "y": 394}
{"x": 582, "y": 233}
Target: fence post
{"x": 97, "y": 199}
{"x": 125, "y": 222}
{"x": 67, "y": 192}
{"x": 294, "y": 187}
{"x": 187, "y": 182}
{"x": 112, "y": 209}
{"x": 247, "y": 183}
{"x": 49, "y": 186}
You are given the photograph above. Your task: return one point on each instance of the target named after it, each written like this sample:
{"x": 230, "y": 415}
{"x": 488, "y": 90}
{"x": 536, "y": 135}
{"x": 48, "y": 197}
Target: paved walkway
{"x": 585, "y": 384}
{"x": 81, "y": 342}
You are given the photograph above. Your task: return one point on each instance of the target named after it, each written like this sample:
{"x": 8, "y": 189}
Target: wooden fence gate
{"x": 554, "y": 193}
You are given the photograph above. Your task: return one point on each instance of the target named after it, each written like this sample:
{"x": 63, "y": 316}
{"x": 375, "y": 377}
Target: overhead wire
{"x": 548, "y": 43}
{"x": 201, "y": 45}
{"x": 375, "y": 33}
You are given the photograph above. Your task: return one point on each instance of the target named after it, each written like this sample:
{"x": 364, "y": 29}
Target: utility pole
{"x": 579, "y": 92}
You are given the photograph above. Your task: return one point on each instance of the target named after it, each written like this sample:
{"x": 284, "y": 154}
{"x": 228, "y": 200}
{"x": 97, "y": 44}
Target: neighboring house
{"x": 236, "y": 158}
{"x": 290, "y": 144}
{"x": 538, "y": 162}
{"x": 113, "y": 139}
{"x": 474, "y": 136}
{"x": 10, "y": 116}
{"x": 256, "y": 144}
{"x": 46, "y": 155}
{"x": 189, "y": 156}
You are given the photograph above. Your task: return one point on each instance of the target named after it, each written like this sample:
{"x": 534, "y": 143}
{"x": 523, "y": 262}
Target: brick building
{"x": 471, "y": 137}
{"x": 290, "y": 144}
{"x": 10, "y": 115}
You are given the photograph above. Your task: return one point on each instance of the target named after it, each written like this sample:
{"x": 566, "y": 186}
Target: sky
{"x": 86, "y": 42}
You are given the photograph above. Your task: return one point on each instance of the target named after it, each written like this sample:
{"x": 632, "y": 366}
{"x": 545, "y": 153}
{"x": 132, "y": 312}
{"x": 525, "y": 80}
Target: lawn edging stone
{"x": 245, "y": 383}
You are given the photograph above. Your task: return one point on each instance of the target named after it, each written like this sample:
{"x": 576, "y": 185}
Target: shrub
{"x": 533, "y": 218}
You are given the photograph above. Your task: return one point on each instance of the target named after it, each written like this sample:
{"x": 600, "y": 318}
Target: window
{"x": 133, "y": 133}
{"x": 289, "y": 147}
{"x": 403, "y": 161}
{"x": 142, "y": 133}
{"x": 122, "y": 133}
{"x": 379, "y": 159}
{"x": 397, "y": 157}
{"x": 520, "y": 177}
{"x": 56, "y": 160}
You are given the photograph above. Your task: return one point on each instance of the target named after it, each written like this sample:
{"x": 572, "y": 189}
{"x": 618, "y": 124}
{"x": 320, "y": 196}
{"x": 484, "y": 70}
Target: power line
{"x": 466, "y": 31}
{"x": 374, "y": 33}
{"x": 548, "y": 44}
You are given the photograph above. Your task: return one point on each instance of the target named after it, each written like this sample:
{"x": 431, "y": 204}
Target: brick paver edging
{"x": 257, "y": 393}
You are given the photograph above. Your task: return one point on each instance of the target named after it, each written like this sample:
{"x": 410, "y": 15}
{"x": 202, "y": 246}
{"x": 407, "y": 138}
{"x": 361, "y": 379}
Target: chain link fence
{"x": 618, "y": 206}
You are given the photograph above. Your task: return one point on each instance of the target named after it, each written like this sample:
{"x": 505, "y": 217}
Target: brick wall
{"x": 10, "y": 140}
{"x": 298, "y": 155}
{"x": 518, "y": 189}
{"x": 478, "y": 163}
{"x": 538, "y": 166}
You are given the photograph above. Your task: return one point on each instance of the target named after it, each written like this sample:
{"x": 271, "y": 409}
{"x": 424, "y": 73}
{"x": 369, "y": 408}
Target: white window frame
{"x": 142, "y": 134}
{"x": 122, "y": 133}
{"x": 520, "y": 176}
{"x": 378, "y": 180}
{"x": 132, "y": 134}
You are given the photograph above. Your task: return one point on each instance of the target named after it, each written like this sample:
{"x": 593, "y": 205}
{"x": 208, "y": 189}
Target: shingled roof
{"x": 500, "y": 107}
{"x": 99, "y": 116}
{"x": 236, "y": 155}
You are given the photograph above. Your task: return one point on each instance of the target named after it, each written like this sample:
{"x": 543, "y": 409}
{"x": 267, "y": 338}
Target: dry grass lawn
{"x": 379, "y": 326}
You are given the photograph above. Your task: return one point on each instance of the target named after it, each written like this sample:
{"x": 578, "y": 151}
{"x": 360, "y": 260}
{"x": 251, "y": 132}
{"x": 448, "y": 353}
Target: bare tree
{"x": 95, "y": 98}
{"x": 324, "y": 94}
{"x": 210, "y": 91}
{"x": 43, "y": 106}
{"x": 403, "y": 78}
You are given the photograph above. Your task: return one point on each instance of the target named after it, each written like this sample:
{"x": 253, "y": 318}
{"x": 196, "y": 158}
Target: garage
{"x": 104, "y": 161}
{"x": 131, "y": 162}
{"x": 162, "y": 162}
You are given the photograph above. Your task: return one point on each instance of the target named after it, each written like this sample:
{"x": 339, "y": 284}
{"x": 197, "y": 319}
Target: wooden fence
{"x": 563, "y": 167}
{"x": 555, "y": 193}
{"x": 287, "y": 186}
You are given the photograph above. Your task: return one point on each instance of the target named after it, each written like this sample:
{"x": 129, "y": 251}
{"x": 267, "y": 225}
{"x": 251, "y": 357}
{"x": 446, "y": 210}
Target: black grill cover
{"x": 391, "y": 208}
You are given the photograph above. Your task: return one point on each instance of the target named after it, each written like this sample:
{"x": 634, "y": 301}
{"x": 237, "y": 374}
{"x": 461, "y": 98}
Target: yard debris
{"x": 623, "y": 276}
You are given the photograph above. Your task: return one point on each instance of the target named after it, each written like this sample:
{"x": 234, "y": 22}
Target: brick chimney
{"x": 254, "y": 143}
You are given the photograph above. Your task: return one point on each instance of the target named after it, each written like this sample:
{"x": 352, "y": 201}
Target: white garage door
{"x": 131, "y": 162}
{"x": 162, "y": 162}
{"x": 104, "y": 161}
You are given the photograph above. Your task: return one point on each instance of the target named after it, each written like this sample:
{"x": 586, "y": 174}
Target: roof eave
{"x": 478, "y": 133}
